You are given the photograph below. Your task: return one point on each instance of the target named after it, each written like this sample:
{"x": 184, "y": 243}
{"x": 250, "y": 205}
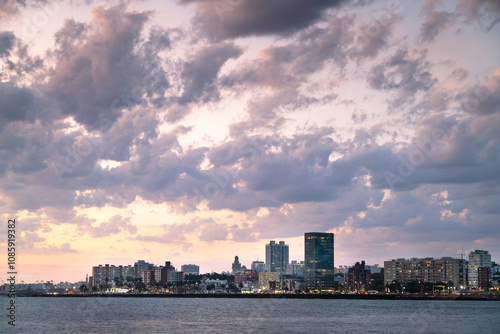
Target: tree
{"x": 141, "y": 286}
{"x": 378, "y": 285}
{"x": 413, "y": 287}
{"x": 83, "y": 288}
{"x": 395, "y": 286}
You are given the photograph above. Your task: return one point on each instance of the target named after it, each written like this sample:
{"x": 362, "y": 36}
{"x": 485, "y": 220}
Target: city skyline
{"x": 138, "y": 263}
{"x": 197, "y": 130}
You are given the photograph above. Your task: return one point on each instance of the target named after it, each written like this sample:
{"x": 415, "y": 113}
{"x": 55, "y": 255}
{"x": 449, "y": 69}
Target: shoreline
{"x": 494, "y": 297}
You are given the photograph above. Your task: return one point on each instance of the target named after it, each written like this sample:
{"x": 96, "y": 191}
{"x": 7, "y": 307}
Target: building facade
{"x": 258, "y": 266}
{"x": 483, "y": 277}
{"x": 477, "y": 259}
{"x": 276, "y": 256}
{"x": 141, "y": 266}
{"x": 236, "y": 266}
{"x": 296, "y": 268}
{"x": 269, "y": 280}
{"x": 190, "y": 269}
{"x": 106, "y": 274}
{"x": 148, "y": 276}
{"x": 175, "y": 276}
{"x": 358, "y": 277}
{"x": 319, "y": 260}
{"x": 426, "y": 270}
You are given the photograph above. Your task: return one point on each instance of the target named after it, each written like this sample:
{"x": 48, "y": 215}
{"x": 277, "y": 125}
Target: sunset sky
{"x": 192, "y": 131}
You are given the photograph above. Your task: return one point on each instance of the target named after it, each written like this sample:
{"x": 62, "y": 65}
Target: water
{"x": 207, "y": 315}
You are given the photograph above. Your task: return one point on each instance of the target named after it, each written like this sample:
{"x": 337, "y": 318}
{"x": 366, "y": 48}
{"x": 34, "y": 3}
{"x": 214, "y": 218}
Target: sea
{"x": 226, "y": 315}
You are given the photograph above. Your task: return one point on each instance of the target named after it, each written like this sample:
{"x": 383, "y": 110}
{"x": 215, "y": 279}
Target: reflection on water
{"x": 191, "y": 315}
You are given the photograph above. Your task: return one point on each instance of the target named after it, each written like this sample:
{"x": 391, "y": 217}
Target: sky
{"x": 193, "y": 131}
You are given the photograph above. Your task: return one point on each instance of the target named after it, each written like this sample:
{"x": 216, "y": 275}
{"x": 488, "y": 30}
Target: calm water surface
{"x": 190, "y": 315}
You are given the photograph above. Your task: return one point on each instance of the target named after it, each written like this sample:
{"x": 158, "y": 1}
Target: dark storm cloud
{"x": 99, "y": 72}
{"x": 222, "y": 19}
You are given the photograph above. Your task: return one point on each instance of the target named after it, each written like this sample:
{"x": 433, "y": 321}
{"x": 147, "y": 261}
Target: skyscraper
{"x": 319, "y": 268}
{"x": 477, "y": 259}
{"x": 276, "y": 257}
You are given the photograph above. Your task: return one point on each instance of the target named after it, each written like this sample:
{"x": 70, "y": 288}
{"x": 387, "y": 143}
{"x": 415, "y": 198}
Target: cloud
{"x": 17, "y": 104}
{"x": 213, "y": 232}
{"x": 434, "y": 23}
{"x": 201, "y": 70}
{"x": 114, "y": 225}
{"x": 406, "y": 72}
{"x": 110, "y": 115}
{"x": 6, "y": 42}
{"x": 485, "y": 11}
{"x": 482, "y": 98}
{"x": 9, "y": 8}
{"x": 237, "y": 18}
{"x": 374, "y": 35}
{"x": 99, "y": 71}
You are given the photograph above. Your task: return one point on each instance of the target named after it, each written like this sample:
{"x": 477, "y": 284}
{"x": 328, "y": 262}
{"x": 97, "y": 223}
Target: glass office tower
{"x": 318, "y": 266}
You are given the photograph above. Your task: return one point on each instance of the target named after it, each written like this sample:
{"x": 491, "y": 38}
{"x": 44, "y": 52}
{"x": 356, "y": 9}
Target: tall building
{"x": 276, "y": 256}
{"x": 190, "y": 269}
{"x": 358, "y": 277}
{"x": 483, "y": 277}
{"x": 258, "y": 266}
{"x": 429, "y": 270}
{"x": 477, "y": 259}
{"x": 319, "y": 258}
{"x": 236, "y": 265}
{"x": 106, "y": 274}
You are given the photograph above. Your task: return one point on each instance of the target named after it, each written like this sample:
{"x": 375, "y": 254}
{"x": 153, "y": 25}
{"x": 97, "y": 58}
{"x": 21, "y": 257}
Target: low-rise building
{"x": 190, "y": 269}
{"x": 269, "y": 280}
